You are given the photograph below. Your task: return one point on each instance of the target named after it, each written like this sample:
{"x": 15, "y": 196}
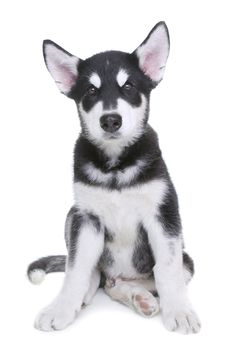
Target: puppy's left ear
{"x": 152, "y": 54}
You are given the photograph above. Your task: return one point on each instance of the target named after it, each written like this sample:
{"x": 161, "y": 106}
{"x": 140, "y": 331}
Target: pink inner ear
{"x": 66, "y": 78}
{"x": 151, "y": 65}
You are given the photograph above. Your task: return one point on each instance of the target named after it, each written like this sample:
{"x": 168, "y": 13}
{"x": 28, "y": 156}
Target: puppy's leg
{"x": 177, "y": 312}
{"x": 85, "y": 245}
{"x": 94, "y": 285}
{"x": 135, "y": 294}
{"x": 141, "y": 295}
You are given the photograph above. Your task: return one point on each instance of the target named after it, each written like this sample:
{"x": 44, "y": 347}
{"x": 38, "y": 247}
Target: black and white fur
{"x": 124, "y": 224}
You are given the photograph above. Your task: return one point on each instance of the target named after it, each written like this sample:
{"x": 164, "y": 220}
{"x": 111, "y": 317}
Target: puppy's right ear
{"x": 62, "y": 66}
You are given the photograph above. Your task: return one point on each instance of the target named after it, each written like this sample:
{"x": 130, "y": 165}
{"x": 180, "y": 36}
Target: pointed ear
{"x": 62, "y": 66}
{"x": 153, "y": 52}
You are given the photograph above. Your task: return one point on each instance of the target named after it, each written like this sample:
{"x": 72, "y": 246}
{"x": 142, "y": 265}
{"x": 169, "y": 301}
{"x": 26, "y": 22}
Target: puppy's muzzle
{"x": 110, "y": 122}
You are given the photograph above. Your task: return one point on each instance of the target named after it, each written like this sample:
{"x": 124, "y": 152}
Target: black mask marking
{"x": 107, "y": 65}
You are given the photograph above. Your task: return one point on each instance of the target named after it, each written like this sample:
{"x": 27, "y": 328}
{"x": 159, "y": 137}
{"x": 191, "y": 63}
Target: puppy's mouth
{"x": 112, "y": 135}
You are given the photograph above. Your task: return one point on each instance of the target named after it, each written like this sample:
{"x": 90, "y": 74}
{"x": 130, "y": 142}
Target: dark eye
{"x": 92, "y": 90}
{"x": 127, "y": 86}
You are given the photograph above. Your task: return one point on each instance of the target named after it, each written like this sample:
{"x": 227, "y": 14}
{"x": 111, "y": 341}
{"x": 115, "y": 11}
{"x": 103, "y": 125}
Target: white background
{"x": 192, "y": 112}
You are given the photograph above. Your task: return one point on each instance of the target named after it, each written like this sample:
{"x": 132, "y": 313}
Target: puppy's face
{"x": 112, "y": 96}
{"x": 111, "y": 89}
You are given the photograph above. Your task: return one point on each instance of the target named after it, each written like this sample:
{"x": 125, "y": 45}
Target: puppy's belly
{"x": 117, "y": 258}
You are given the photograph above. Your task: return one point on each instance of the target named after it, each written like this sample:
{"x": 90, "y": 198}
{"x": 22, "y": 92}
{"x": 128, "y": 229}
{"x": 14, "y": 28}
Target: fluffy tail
{"x": 38, "y": 269}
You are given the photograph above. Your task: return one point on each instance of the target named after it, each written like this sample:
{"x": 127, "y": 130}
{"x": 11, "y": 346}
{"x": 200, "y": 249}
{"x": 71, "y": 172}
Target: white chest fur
{"x": 118, "y": 208}
{"x": 121, "y": 212}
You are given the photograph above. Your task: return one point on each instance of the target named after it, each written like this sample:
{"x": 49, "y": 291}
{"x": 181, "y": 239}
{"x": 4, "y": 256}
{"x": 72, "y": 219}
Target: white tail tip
{"x": 36, "y": 276}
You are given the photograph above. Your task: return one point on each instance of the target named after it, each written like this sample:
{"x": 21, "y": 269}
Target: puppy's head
{"x": 111, "y": 89}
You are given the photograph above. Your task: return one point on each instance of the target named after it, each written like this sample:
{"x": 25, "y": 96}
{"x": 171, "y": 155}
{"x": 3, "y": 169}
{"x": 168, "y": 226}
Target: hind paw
{"x": 146, "y": 304}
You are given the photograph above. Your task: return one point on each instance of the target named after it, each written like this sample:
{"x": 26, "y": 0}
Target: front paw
{"x": 55, "y": 317}
{"x": 183, "y": 320}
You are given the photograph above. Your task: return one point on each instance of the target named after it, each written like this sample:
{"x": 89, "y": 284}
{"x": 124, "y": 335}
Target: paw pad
{"x": 146, "y": 304}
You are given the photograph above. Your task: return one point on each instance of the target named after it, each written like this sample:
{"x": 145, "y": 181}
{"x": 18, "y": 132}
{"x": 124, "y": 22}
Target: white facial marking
{"x": 95, "y": 80}
{"x": 122, "y": 77}
{"x": 91, "y": 120}
{"x": 131, "y": 129}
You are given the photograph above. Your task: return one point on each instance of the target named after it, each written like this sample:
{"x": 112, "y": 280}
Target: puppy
{"x": 125, "y": 224}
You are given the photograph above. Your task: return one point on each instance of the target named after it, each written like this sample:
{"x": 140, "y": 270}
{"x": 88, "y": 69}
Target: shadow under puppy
{"x": 125, "y": 223}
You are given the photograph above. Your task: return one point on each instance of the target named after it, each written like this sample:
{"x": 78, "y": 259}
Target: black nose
{"x": 110, "y": 122}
